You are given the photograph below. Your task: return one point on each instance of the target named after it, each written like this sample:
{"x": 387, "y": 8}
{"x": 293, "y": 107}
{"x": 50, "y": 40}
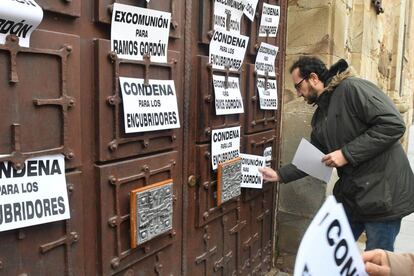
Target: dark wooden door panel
{"x": 237, "y": 237}
{"x": 43, "y": 91}
{"x": 49, "y": 249}
{"x": 113, "y": 142}
{"x": 116, "y": 180}
{"x": 256, "y": 118}
{"x": 64, "y": 7}
{"x": 207, "y": 120}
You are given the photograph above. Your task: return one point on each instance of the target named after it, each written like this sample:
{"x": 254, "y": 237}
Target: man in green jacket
{"x": 358, "y": 128}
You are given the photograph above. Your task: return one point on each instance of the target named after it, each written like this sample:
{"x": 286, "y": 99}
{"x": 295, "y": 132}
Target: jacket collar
{"x": 323, "y": 100}
{"x": 336, "y": 80}
{"x": 336, "y": 74}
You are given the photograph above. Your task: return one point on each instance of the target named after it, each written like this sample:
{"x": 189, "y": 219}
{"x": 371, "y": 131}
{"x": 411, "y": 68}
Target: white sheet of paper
{"x": 227, "y": 49}
{"x": 308, "y": 159}
{"x": 251, "y": 177}
{"x": 265, "y": 59}
{"x": 250, "y": 8}
{"x": 225, "y": 145}
{"x": 149, "y": 108}
{"x": 228, "y": 100}
{"x": 268, "y": 94}
{"x": 328, "y": 246}
{"x": 267, "y": 154}
{"x": 269, "y": 23}
{"x": 221, "y": 11}
{"x": 35, "y": 195}
{"x": 137, "y": 31}
{"x": 20, "y": 18}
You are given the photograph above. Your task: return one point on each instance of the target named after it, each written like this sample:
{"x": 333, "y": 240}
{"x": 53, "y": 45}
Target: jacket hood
{"x": 337, "y": 73}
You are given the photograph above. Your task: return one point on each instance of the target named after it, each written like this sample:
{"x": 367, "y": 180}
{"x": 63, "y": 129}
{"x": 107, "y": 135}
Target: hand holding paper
{"x": 335, "y": 159}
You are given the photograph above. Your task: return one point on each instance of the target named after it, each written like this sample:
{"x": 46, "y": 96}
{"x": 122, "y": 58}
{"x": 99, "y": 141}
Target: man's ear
{"x": 314, "y": 78}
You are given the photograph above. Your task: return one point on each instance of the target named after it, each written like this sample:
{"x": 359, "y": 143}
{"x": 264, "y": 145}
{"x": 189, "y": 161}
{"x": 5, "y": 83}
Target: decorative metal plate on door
{"x": 151, "y": 211}
{"x": 228, "y": 180}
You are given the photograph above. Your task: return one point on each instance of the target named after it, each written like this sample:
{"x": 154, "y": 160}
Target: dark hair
{"x": 308, "y": 65}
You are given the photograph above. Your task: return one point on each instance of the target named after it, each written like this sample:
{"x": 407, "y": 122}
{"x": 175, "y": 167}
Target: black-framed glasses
{"x": 297, "y": 85}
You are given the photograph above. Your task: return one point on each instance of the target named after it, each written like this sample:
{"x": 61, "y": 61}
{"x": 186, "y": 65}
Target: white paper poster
{"x": 149, "y": 107}
{"x": 227, "y": 49}
{"x": 34, "y": 195}
{"x": 225, "y": 145}
{"x": 227, "y": 15}
{"x": 137, "y": 31}
{"x": 328, "y": 246}
{"x": 265, "y": 59}
{"x": 251, "y": 177}
{"x": 228, "y": 99}
{"x": 250, "y": 8}
{"x": 308, "y": 159}
{"x": 267, "y": 154}
{"x": 269, "y": 23}
{"x": 268, "y": 94}
{"x": 19, "y": 18}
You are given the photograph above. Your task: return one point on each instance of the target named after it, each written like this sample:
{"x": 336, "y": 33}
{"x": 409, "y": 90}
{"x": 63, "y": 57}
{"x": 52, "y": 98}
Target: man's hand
{"x": 335, "y": 159}
{"x": 376, "y": 263}
{"x": 269, "y": 174}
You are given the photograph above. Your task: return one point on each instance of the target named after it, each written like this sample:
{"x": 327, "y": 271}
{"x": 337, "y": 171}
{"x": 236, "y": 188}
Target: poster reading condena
{"x": 227, "y": 49}
{"x": 228, "y": 99}
{"x": 265, "y": 60}
{"x": 34, "y": 195}
{"x": 137, "y": 31}
{"x": 270, "y": 20}
{"x": 250, "y": 8}
{"x": 149, "y": 107}
{"x": 268, "y": 94}
{"x": 227, "y": 15}
{"x": 251, "y": 177}
{"x": 267, "y": 154}
{"x": 20, "y": 18}
{"x": 225, "y": 145}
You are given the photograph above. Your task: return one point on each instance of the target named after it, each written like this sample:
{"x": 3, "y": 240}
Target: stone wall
{"x": 379, "y": 47}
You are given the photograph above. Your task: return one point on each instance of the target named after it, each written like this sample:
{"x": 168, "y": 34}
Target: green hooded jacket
{"x": 354, "y": 115}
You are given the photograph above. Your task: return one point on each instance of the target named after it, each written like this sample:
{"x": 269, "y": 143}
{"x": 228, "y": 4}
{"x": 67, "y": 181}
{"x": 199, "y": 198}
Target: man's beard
{"x": 312, "y": 97}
